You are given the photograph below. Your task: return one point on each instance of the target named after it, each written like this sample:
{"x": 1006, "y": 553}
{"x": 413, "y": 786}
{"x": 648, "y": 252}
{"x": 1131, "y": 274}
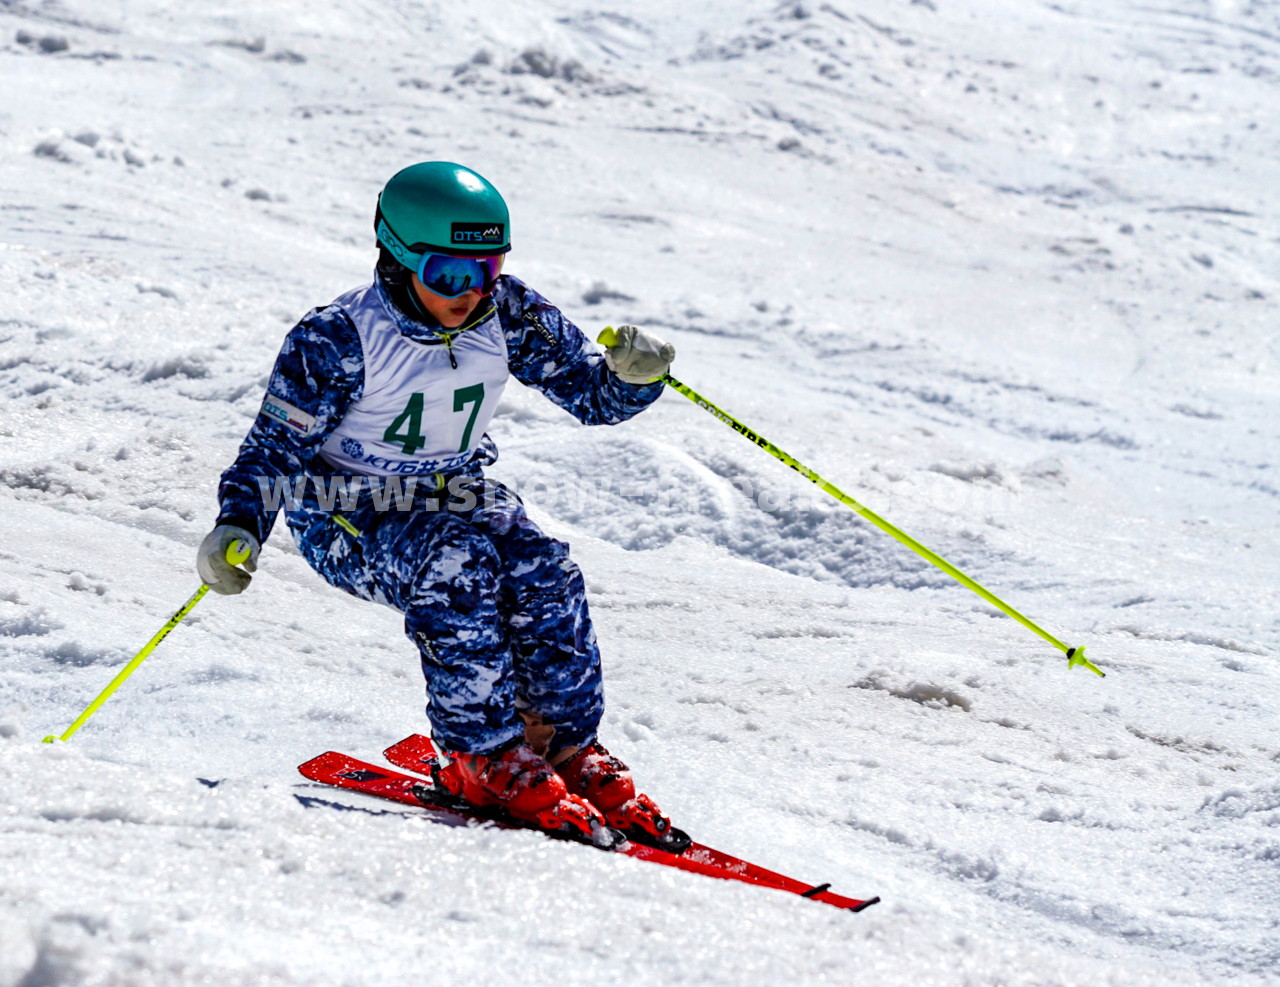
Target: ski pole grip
{"x": 238, "y": 551}
{"x": 607, "y": 337}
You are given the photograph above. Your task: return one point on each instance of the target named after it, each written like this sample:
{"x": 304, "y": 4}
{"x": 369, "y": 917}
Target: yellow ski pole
{"x": 1075, "y": 655}
{"x": 236, "y": 553}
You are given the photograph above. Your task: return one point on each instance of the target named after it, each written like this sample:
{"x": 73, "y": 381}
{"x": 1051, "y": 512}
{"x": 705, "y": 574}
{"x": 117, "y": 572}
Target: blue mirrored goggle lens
{"x": 453, "y": 276}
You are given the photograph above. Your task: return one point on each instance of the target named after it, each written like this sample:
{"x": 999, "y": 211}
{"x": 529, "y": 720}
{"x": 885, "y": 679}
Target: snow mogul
{"x": 388, "y": 391}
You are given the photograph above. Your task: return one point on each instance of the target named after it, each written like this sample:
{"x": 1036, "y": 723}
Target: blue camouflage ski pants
{"x": 497, "y": 609}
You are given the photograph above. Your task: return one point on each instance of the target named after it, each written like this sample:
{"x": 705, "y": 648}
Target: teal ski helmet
{"x": 441, "y": 206}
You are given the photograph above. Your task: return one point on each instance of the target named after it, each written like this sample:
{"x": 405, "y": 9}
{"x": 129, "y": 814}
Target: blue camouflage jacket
{"x": 320, "y": 372}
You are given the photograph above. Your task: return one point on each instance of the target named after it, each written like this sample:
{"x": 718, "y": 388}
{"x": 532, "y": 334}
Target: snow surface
{"x": 1005, "y": 271}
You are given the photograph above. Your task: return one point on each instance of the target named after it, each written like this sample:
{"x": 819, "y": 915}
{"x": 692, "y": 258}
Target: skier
{"x": 385, "y": 395}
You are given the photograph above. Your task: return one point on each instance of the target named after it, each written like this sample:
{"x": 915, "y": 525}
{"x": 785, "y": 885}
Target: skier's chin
{"x": 451, "y": 313}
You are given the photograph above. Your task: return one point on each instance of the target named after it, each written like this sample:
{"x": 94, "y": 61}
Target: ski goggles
{"x": 450, "y": 276}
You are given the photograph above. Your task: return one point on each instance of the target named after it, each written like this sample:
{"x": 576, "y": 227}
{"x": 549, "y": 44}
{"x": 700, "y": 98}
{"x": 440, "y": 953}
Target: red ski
{"x": 416, "y": 753}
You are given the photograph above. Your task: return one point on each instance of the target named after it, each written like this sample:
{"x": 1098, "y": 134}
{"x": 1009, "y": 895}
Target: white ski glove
{"x": 212, "y": 564}
{"x": 638, "y": 357}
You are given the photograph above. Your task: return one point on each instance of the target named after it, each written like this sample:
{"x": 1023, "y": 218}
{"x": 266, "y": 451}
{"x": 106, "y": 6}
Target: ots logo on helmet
{"x": 480, "y": 234}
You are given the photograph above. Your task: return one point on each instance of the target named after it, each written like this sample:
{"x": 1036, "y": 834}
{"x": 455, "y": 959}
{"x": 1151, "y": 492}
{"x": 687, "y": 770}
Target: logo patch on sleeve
{"x": 479, "y": 234}
{"x": 280, "y": 410}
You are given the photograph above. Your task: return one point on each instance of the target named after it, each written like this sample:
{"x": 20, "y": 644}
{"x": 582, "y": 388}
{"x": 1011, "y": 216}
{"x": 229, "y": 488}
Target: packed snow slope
{"x": 1005, "y": 271}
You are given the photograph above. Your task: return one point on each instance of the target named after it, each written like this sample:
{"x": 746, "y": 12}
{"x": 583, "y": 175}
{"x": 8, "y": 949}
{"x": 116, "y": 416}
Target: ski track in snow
{"x": 1007, "y": 273}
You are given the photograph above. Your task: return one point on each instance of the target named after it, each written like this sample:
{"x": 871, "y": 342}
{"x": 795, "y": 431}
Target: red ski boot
{"x": 527, "y": 788}
{"x": 604, "y": 781}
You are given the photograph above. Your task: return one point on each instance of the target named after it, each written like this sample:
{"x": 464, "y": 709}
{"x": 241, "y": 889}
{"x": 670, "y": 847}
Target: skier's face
{"x": 449, "y": 312}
